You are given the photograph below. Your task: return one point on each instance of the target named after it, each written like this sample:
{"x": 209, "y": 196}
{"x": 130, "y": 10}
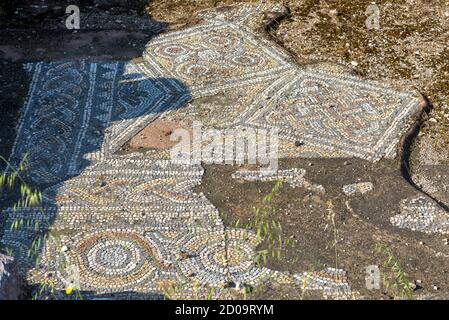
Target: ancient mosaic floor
{"x": 130, "y": 224}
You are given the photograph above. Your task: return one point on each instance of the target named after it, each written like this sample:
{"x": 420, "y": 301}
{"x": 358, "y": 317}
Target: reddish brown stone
{"x": 157, "y": 134}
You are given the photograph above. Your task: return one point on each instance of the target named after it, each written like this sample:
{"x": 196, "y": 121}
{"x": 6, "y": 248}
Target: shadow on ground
{"x": 63, "y": 56}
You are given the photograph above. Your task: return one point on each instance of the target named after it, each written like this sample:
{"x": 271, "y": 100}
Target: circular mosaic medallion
{"x": 217, "y": 261}
{"x": 220, "y": 41}
{"x": 112, "y": 259}
{"x": 235, "y": 257}
{"x": 173, "y": 50}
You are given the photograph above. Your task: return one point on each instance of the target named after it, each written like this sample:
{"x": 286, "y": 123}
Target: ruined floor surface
{"x": 130, "y": 223}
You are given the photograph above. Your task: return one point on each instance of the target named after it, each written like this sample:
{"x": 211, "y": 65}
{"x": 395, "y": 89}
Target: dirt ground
{"x": 362, "y": 223}
{"x": 411, "y": 48}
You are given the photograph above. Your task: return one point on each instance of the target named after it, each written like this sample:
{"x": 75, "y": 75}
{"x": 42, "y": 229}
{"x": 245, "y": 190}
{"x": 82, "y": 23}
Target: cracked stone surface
{"x": 131, "y": 223}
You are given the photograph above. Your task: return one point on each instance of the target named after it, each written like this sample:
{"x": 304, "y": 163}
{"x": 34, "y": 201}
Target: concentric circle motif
{"x": 248, "y": 60}
{"x": 235, "y": 257}
{"x": 193, "y": 70}
{"x": 209, "y": 55}
{"x": 115, "y": 257}
{"x": 173, "y": 50}
{"x": 221, "y": 41}
{"x": 112, "y": 259}
{"x": 218, "y": 261}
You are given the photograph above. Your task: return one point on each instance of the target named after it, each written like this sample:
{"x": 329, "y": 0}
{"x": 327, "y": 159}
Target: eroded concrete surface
{"x": 130, "y": 222}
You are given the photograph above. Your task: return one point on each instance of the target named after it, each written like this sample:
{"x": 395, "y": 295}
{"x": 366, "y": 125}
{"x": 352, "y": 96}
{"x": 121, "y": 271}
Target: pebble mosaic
{"x": 422, "y": 214}
{"x": 357, "y": 188}
{"x": 333, "y": 282}
{"x": 128, "y": 223}
{"x": 294, "y": 177}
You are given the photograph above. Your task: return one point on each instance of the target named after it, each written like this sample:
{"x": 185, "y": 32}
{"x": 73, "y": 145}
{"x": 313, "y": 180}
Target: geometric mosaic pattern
{"x": 71, "y": 104}
{"x": 217, "y": 262}
{"x": 223, "y": 47}
{"x": 122, "y": 223}
{"x": 130, "y": 223}
{"x": 330, "y": 281}
{"x": 357, "y": 188}
{"x": 422, "y": 214}
{"x": 294, "y": 177}
{"x": 332, "y": 115}
{"x": 127, "y": 224}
